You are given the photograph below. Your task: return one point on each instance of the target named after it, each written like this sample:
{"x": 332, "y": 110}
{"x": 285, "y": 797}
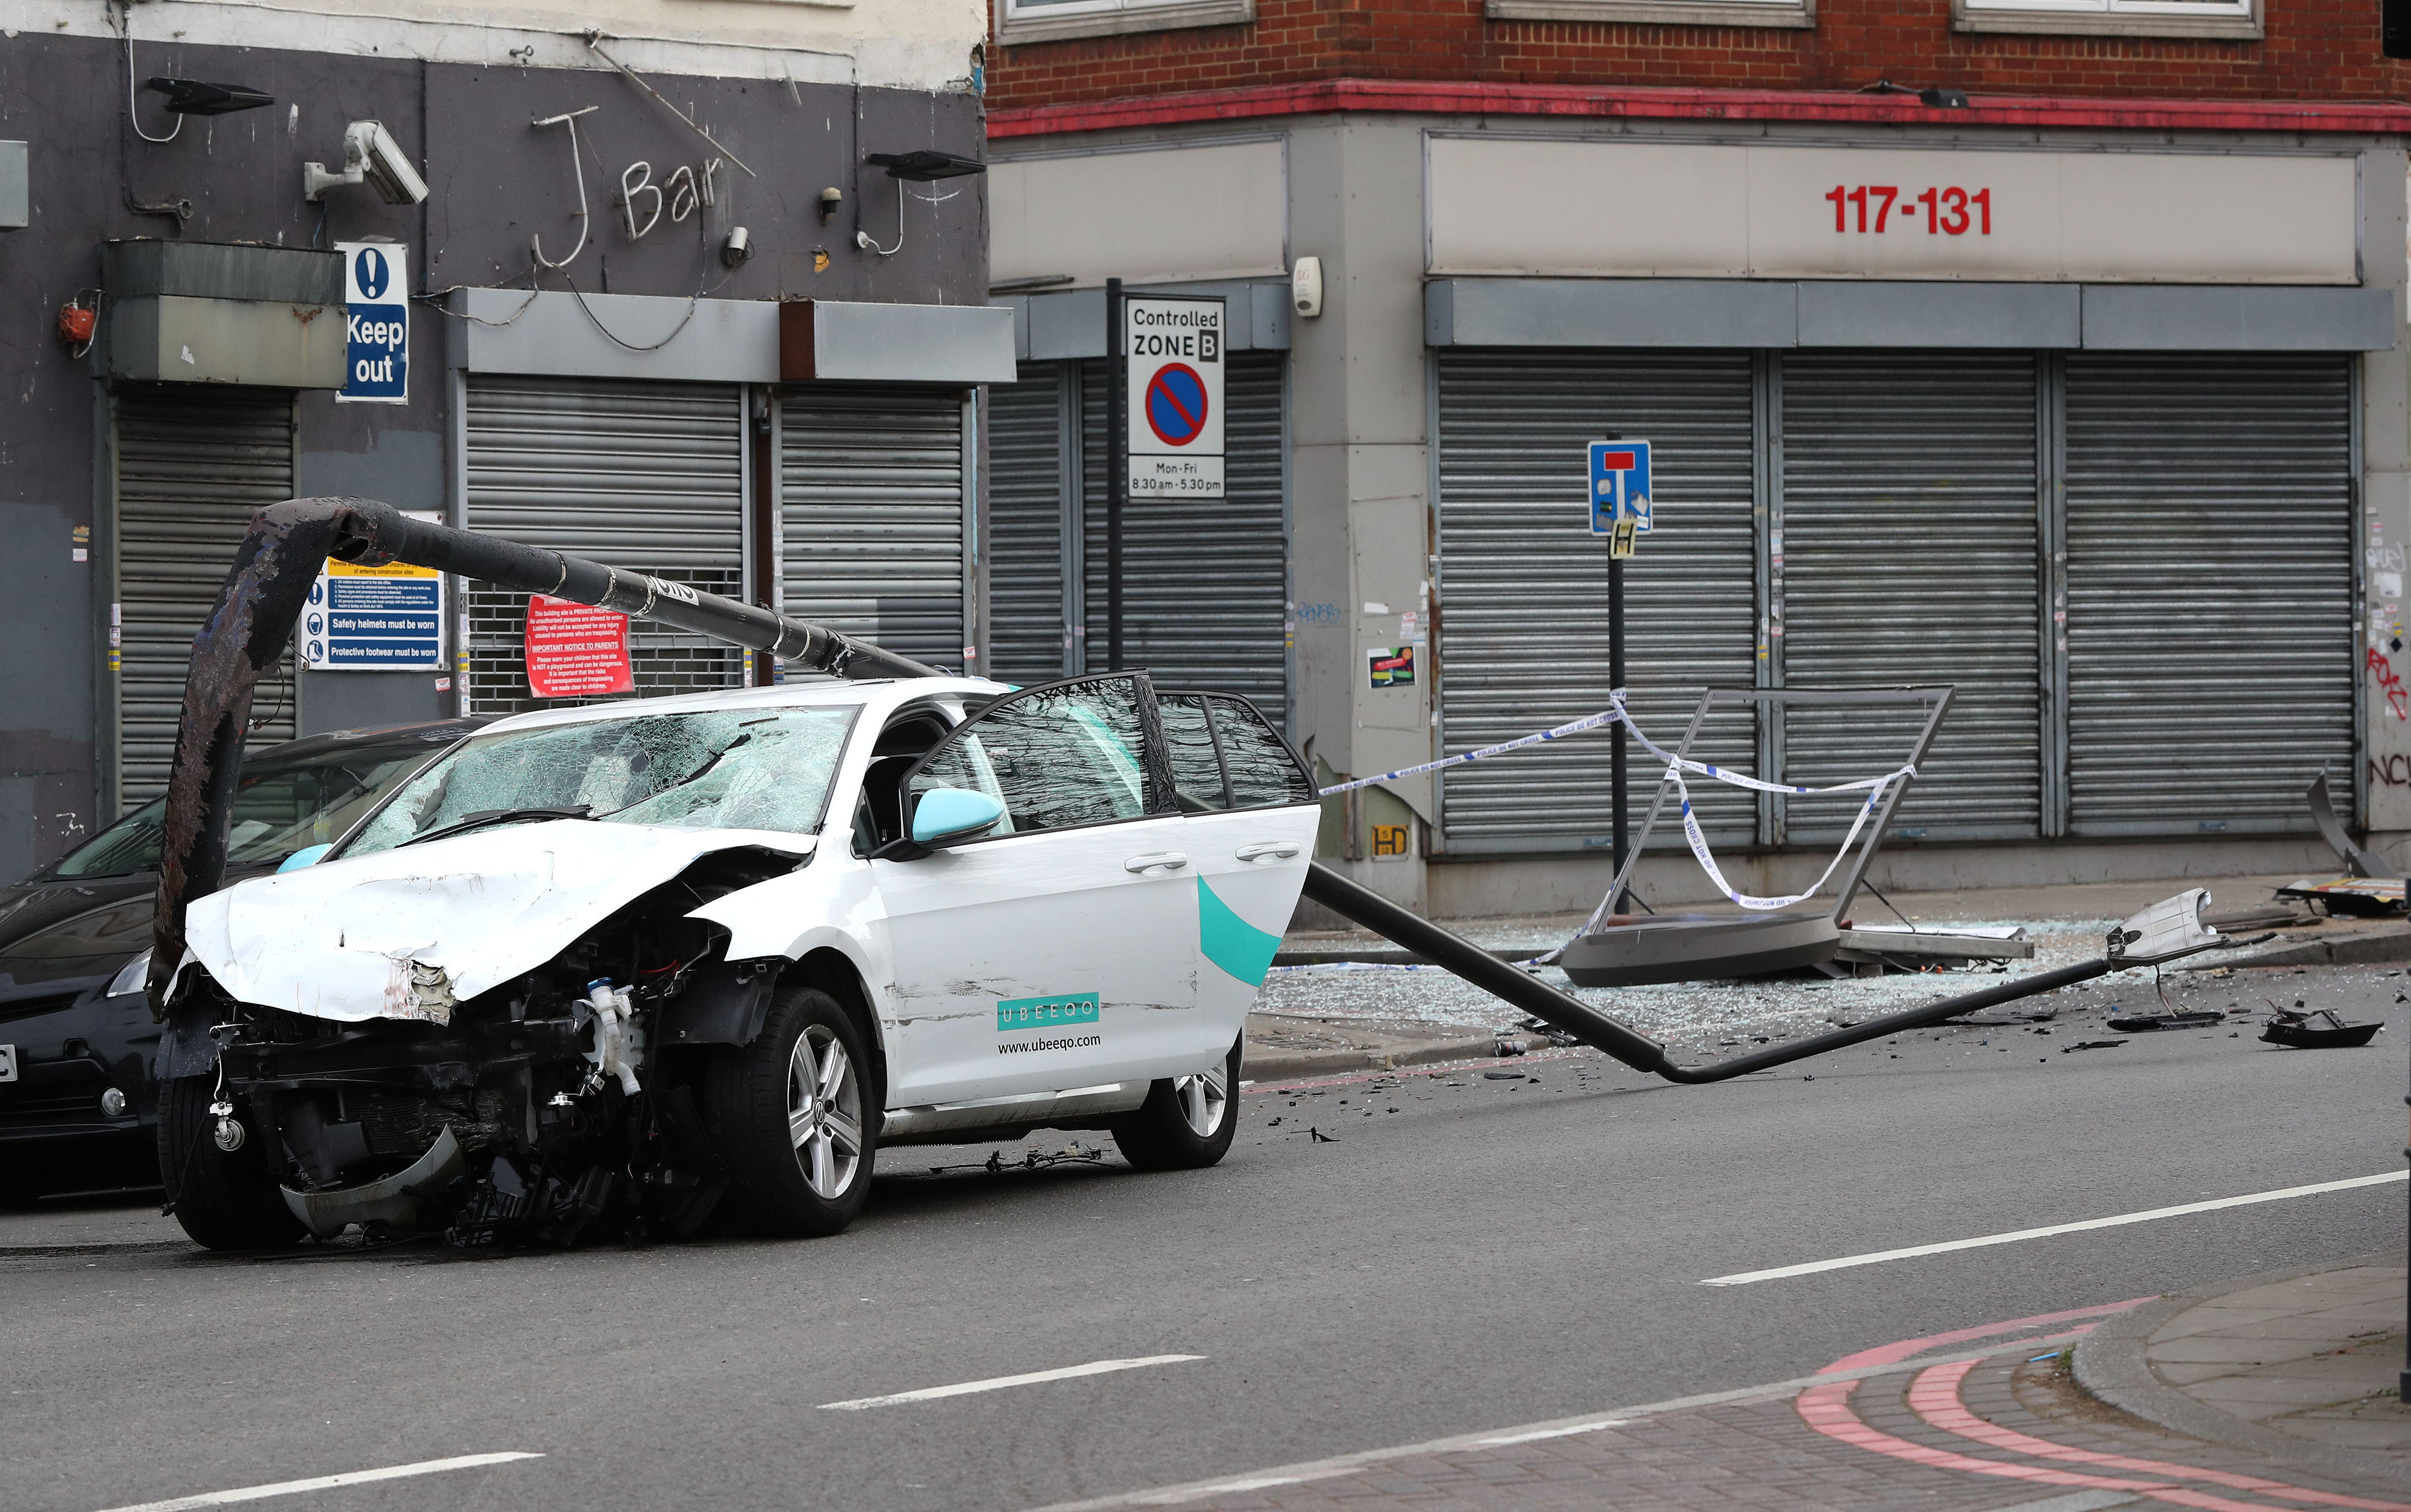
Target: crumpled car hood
{"x": 407, "y": 933}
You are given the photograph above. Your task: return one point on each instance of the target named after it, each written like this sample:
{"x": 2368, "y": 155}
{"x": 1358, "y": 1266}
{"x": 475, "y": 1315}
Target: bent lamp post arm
{"x": 2161, "y": 933}
{"x": 251, "y": 624}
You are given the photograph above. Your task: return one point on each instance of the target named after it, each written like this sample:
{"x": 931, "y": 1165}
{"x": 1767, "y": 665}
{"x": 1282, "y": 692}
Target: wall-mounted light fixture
{"x": 925, "y": 165}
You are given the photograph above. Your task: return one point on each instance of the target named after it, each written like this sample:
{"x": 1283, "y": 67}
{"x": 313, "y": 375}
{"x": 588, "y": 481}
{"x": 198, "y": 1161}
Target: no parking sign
{"x": 1173, "y": 348}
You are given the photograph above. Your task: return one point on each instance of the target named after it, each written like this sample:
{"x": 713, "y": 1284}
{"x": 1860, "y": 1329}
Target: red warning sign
{"x": 576, "y": 650}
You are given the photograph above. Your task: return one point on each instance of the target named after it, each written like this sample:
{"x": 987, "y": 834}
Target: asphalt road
{"x": 1490, "y": 1252}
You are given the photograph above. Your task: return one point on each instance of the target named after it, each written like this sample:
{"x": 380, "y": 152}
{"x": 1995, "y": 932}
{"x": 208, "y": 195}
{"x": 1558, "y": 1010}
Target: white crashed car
{"x": 617, "y": 967}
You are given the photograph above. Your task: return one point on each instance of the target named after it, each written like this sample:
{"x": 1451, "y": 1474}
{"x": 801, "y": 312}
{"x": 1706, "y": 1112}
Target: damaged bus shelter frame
{"x": 251, "y": 626}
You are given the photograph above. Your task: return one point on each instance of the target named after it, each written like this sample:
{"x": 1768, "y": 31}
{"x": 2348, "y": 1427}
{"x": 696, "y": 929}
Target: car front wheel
{"x": 792, "y": 1117}
{"x": 1186, "y": 1121}
{"x": 225, "y": 1198}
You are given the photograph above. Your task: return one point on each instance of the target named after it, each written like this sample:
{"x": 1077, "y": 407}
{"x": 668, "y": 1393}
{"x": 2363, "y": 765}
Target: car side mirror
{"x": 951, "y": 813}
{"x": 309, "y": 855}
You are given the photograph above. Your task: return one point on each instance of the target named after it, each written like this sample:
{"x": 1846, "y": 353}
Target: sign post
{"x": 1164, "y": 419}
{"x": 1619, "y": 510}
{"x": 376, "y": 322}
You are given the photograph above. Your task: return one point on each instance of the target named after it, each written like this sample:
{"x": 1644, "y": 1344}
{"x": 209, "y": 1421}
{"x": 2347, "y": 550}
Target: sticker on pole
{"x": 1619, "y": 488}
{"x": 576, "y": 650}
{"x": 376, "y": 322}
{"x": 1174, "y": 349}
{"x": 388, "y": 618}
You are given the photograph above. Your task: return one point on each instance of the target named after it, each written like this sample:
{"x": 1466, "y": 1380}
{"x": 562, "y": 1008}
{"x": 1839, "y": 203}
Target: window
{"x": 1041, "y": 21}
{"x": 2238, "y": 18}
{"x": 1225, "y": 756}
{"x": 1056, "y": 756}
{"x": 1799, "y": 15}
{"x": 725, "y": 769}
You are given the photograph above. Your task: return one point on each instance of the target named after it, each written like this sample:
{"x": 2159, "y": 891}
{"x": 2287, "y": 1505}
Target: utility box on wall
{"x": 16, "y": 185}
{"x": 270, "y": 318}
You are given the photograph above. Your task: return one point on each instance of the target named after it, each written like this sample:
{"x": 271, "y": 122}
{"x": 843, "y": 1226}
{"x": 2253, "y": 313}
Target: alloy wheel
{"x": 825, "y": 1113}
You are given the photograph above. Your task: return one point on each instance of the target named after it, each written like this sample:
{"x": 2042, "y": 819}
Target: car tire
{"x": 793, "y": 1116}
{"x": 1186, "y": 1121}
{"x": 225, "y": 1200}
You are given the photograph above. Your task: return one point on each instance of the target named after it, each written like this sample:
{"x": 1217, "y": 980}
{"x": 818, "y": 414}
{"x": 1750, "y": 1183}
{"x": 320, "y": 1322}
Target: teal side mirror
{"x": 951, "y": 813}
{"x": 307, "y": 856}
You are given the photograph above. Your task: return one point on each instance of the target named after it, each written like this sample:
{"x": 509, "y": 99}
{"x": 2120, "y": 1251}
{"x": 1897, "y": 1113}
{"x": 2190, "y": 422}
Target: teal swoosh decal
{"x": 1230, "y": 942}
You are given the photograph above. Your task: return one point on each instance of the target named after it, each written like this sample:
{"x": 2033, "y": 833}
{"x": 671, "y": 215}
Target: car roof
{"x": 878, "y": 694}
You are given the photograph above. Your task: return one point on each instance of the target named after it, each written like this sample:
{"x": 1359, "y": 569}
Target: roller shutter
{"x": 2210, "y": 589}
{"x": 1909, "y": 556}
{"x": 194, "y": 463}
{"x": 1027, "y": 636}
{"x": 871, "y": 489}
{"x": 1204, "y": 581}
{"x": 1522, "y": 615}
{"x": 632, "y": 474}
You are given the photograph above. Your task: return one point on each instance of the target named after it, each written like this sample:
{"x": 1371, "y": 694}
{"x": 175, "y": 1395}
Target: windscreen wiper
{"x": 497, "y": 816}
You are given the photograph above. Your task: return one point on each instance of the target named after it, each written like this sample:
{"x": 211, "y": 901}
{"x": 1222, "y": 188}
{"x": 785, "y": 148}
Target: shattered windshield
{"x": 750, "y": 768}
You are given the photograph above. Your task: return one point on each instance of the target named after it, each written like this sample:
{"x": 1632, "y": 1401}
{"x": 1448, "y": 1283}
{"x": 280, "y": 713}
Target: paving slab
{"x": 2302, "y": 1365}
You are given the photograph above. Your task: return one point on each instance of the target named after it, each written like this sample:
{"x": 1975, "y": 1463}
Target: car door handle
{"x": 1168, "y": 860}
{"x": 1268, "y": 850}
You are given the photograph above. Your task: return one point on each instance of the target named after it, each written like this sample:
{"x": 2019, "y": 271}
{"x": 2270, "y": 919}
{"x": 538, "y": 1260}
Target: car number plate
{"x": 8, "y": 1063}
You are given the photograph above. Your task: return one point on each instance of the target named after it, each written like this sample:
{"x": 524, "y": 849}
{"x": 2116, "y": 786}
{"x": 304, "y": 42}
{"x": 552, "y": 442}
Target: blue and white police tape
{"x": 1675, "y": 766}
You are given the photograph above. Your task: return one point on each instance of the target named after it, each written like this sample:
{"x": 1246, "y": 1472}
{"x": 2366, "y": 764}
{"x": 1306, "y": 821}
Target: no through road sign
{"x": 1174, "y": 351}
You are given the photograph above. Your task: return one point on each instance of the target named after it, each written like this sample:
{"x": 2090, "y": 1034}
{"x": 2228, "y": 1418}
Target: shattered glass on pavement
{"x": 1687, "y": 1016}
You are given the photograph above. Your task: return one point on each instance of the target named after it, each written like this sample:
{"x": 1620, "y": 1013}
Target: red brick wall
{"x": 2324, "y": 50}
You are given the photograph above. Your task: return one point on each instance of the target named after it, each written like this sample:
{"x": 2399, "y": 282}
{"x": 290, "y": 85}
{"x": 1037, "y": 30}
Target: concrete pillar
{"x": 1360, "y": 466}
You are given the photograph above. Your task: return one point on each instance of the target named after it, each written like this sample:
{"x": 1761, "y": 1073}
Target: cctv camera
{"x": 371, "y": 156}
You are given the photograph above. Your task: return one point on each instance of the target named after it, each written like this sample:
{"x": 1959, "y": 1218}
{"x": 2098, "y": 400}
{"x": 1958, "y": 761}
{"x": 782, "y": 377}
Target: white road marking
{"x": 1743, "y": 1278}
{"x": 1345, "y": 1463}
{"x": 964, "y": 1389}
{"x": 320, "y": 1483}
{"x": 1553, "y": 1432}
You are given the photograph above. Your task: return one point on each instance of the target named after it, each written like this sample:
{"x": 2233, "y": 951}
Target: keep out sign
{"x": 576, "y": 650}
{"x": 376, "y": 322}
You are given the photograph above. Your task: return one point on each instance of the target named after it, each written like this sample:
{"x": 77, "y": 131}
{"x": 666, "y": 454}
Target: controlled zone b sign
{"x": 1174, "y": 349}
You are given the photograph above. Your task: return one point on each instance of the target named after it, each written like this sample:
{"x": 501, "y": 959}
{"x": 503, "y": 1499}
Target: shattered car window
{"x": 1064, "y": 756}
{"x": 279, "y": 807}
{"x": 749, "y": 768}
{"x": 1196, "y": 769}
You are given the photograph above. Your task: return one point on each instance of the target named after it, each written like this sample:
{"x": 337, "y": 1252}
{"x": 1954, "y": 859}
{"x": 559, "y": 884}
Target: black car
{"x": 77, "y": 1105}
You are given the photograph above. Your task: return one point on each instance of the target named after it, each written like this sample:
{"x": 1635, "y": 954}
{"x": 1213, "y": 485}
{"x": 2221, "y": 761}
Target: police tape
{"x": 1616, "y": 713}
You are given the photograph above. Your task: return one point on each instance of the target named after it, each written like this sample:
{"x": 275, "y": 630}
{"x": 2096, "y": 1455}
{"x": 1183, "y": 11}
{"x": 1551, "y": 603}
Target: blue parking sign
{"x": 376, "y": 322}
{"x": 1619, "y": 485}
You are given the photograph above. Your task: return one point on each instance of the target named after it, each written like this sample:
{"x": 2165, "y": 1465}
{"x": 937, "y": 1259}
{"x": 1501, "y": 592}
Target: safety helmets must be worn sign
{"x": 1175, "y": 351}
{"x": 388, "y": 618}
{"x": 376, "y": 322}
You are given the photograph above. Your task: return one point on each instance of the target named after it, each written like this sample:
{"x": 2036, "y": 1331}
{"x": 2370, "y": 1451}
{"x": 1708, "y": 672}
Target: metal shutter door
{"x": 1027, "y": 639}
{"x": 1909, "y": 556}
{"x": 1522, "y": 630}
{"x": 872, "y": 513}
{"x": 1204, "y": 581}
{"x": 632, "y": 474}
{"x": 193, "y": 464}
{"x": 2210, "y": 589}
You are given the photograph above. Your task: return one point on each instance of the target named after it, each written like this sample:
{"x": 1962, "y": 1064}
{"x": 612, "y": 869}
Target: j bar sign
{"x": 1173, "y": 348}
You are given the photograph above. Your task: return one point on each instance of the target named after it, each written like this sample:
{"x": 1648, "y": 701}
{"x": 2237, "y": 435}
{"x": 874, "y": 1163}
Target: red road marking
{"x": 1893, "y": 1353}
{"x": 1935, "y": 1397}
{"x": 1827, "y": 1409}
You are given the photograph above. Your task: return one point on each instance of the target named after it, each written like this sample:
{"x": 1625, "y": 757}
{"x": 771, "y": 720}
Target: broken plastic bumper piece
{"x": 2166, "y": 931}
{"x": 393, "y": 1201}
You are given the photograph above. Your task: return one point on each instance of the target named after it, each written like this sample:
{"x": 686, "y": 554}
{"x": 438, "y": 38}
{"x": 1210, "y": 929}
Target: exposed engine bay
{"x": 563, "y": 1105}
